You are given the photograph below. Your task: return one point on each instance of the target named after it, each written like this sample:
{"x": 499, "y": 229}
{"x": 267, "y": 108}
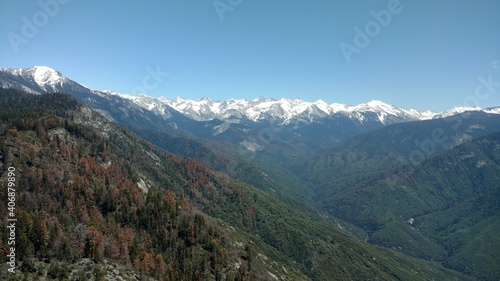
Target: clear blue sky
{"x": 429, "y": 55}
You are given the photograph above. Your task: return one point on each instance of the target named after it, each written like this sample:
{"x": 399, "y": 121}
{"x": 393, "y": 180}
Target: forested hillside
{"x": 86, "y": 189}
{"x": 445, "y": 208}
{"x": 79, "y": 196}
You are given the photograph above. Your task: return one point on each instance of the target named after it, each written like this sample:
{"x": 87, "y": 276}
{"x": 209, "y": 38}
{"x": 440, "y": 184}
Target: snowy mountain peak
{"x": 260, "y": 99}
{"x": 376, "y": 105}
{"x": 45, "y": 75}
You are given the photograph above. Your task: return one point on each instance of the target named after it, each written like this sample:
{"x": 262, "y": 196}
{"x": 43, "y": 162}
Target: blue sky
{"x": 418, "y": 54}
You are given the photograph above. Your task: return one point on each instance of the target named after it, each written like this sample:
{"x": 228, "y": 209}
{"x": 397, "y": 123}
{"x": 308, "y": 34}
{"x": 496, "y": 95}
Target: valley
{"x": 251, "y": 190}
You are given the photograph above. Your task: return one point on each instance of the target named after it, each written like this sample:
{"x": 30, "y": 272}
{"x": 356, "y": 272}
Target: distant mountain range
{"x": 284, "y": 111}
{"x": 281, "y": 111}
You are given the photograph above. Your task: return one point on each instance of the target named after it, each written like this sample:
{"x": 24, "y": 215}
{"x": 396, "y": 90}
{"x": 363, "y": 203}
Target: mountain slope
{"x": 283, "y": 117}
{"x": 85, "y": 183}
{"x": 158, "y": 125}
{"x": 464, "y": 213}
{"x": 337, "y": 169}
{"x": 153, "y": 121}
{"x": 255, "y": 141}
{"x": 40, "y": 80}
{"x": 87, "y": 189}
{"x": 444, "y": 209}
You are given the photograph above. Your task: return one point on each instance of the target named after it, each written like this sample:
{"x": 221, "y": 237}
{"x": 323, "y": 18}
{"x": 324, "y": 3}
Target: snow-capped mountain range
{"x": 284, "y": 111}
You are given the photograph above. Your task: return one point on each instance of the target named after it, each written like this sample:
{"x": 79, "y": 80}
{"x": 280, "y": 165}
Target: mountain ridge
{"x": 283, "y": 111}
